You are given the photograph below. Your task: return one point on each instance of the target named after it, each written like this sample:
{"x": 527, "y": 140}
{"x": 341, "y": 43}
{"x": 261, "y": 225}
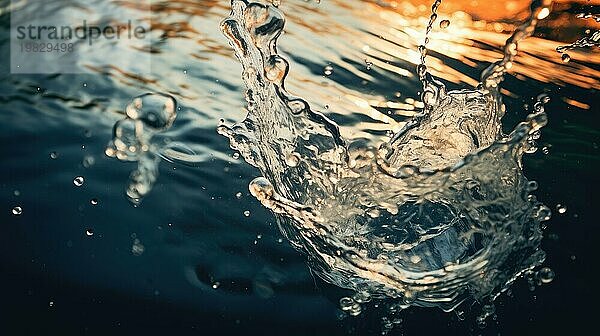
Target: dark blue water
{"x": 58, "y": 279}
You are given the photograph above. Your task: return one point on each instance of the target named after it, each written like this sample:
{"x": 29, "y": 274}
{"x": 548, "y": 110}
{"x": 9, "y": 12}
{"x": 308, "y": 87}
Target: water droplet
{"x": 94, "y": 201}
{"x": 328, "y": 70}
{"x": 369, "y": 64}
{"x": 444, "y": 24}
{"x": 216, "y": 285}
{"x": 561, "y": 208}
{"x": 235, "y": 155}
{"x": 292, "y": 159}
{"x": 566, "y": 58}
{"x": 238, "y": 195}
{"x": 16, "y": 193}
{"x": 89, "y": 232}
{"x": 415, "y": 259}
{"x": 51, "y": 303}
{"x": 546, "y": 275}
{"x": 78, "y": 181}
{"x": 17, "y": 211}
{"x": 247, "y": 213}
{"x": 53, "y": 155}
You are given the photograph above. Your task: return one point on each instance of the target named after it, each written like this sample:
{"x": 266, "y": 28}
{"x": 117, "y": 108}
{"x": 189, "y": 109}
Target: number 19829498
{"x": 36, "y": 47}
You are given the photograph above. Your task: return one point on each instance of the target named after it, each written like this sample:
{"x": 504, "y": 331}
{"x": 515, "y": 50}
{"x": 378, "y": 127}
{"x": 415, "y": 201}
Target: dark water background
{"x": 56, "y": 280}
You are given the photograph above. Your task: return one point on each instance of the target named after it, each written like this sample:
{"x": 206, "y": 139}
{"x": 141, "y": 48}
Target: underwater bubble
{"x": 546, "y": 275}
{"x": 17, "y": 211}
{"x": 53, "y": 155}
{"x": 155, "y": 110}
{"x": 88, "y": 161}
{"x": 137, "y": 248}
{"x": 444, "y": 24}
{"x": 78, "y": 181}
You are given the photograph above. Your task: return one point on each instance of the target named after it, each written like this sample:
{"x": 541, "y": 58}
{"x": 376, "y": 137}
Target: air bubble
{"x": 561, "y": 208}
{"x": 546, "y": 275}
{"x": 17, "y": 211}
{"x": 78, "y": 181}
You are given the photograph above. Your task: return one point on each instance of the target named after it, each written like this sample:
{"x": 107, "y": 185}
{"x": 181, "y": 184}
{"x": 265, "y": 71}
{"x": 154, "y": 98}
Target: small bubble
{"x": 17, "y": 211}
{"x": 546, "y": 275}
{"x": 546, "y": 150}
{"x": 328, "y": 70}
{"x": 238, "y": 195}
{"x": 236, "y": 155}
{"x": 369, "y": 64}
{"x": 247, "y": 213}
{"x": 94, "y": 201}
{"x": 89, "y": 232}
{"x": 216, "y": 285}
{"x": 566, "y": 58}
{"x": 561, "y": 208}
{"x": 16, "y": 193}
{"x": 53, "y": 155}
{"x": 78, "y": 181}
{"x": 51, "y": 303}
{"x": 444, "y": 24}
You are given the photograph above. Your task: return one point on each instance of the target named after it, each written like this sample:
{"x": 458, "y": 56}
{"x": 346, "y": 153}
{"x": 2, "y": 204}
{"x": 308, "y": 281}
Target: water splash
{"x": 592, "y": 40}
{"x": 438, "y": 215}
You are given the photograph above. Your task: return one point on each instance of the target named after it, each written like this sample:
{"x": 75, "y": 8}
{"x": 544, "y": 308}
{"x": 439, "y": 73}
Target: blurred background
{"x": 200, "y": 256}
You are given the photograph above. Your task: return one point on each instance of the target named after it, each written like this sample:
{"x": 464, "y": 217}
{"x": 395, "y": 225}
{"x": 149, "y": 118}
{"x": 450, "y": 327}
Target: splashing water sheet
{"x": 300, "y": 167}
